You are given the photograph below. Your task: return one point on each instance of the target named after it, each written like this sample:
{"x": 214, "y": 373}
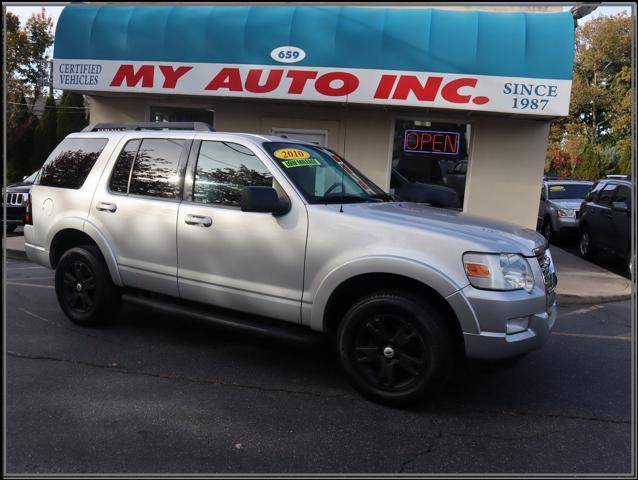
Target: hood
{"x": 19, "y": 185}
{"x": 570, "y": 203}
{"x": 491, "y": 235}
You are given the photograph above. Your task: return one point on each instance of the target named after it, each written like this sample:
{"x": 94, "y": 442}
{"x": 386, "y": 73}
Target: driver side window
{"x": 223, "y": 170}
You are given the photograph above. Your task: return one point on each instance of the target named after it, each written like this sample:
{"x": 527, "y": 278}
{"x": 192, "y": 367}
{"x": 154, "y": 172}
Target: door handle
{"x": 198, "y": 220}
{"x": 105, "y": 207}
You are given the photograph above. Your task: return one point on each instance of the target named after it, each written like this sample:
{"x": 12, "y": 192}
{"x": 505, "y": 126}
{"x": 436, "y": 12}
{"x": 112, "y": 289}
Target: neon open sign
{"x": 431, "y": 141}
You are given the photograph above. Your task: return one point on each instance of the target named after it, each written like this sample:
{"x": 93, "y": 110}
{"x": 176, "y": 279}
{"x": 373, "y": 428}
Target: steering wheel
{"x": 333, "y": 186}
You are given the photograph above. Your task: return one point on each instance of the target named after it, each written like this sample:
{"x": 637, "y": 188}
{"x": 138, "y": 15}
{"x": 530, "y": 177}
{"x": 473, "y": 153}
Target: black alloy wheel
{"x": 79, "y": 287}
{"x": 395, "y": 347}
{"x": 389, "y": 352}
{"x": 84, "y": 287}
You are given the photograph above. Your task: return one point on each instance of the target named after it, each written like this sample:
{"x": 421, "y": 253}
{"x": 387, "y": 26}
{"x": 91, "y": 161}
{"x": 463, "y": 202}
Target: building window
{"x": 178, "y": 114}
{"x": 432, "y": 153}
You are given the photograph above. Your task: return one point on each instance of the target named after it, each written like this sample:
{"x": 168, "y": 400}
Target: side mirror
{"x": 263, "y": 200}
{"x": 621, "y": 207}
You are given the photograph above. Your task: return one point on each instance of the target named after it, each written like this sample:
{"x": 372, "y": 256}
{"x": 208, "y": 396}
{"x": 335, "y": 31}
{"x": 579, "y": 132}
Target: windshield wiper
{"x": 383, "y": 196}
{"x": 343, "y": 198}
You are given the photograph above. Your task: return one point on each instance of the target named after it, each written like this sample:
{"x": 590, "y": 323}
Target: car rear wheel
{"x": 585, "y": 246}
{"x": 84, "y": 287}
{"x": 395, "y": 348}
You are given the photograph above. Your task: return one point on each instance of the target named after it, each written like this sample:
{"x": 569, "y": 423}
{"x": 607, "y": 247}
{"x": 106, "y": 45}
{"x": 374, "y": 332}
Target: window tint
{"x": 606, "y": 195}
{"x": 122, "y": 169}
{"x": 591, "y": 196}
{"x": 70, "y": 163}
{"x": 223, "y": 170}
{"x": 156, "y": 169}
{"x": 623, "y": 195}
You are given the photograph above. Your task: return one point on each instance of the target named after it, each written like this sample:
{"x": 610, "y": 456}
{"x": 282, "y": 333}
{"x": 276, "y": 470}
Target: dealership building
{"x": 440, "y": 96}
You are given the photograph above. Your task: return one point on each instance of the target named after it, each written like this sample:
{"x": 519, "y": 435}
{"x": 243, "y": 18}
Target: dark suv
{"x": 14, "y": 200}
{"x": 605, "y": 220}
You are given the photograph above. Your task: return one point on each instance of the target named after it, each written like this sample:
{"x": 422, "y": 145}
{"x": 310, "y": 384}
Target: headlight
{"x": 498, "y": 271}
{"x": 566, "y": 212}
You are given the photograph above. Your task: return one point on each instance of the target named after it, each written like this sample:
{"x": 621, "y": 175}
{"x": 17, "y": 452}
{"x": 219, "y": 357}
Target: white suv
{"x": 276, "y": 235}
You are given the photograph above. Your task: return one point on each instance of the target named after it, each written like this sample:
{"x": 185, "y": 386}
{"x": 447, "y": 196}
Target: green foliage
{"x": 601, "y": 101}
{"x": 625, "y": 161}
{"x": 45, "y": 137}
{"x": 71, "y": 115}
{"x": 27, "y": 60}
{"x": 20, "y": 139}
{"x": 590, "y": 165}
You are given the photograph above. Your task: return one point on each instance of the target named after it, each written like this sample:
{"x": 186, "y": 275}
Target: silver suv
{"x": 272, "y": 234}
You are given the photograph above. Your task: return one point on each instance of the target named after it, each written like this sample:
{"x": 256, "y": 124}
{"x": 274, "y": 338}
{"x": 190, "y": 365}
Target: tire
{"x": 84, "y": 287}
{"x": 11, "y": 228}
{"x": 548, "y": 230}
{"x": 395, "y": 348}
{"x": 585, "y": 246}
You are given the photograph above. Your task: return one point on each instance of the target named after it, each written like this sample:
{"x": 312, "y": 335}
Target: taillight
{"x": 28, "y": 218}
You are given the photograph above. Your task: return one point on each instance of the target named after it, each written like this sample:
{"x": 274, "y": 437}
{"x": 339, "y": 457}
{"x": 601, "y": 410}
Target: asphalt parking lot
{"x": 159, "y": 394}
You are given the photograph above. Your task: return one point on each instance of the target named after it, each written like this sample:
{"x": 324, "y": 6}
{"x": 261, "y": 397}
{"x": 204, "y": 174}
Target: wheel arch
{"x": 353, "y": 280}
{"x": 70, "y": 237}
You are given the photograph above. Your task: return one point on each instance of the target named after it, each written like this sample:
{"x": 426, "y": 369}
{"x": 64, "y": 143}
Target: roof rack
{"x": 136, "y": 126}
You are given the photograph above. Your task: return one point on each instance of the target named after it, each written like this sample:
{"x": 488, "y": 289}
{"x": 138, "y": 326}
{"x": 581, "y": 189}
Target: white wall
{"x": 506, "y": 169}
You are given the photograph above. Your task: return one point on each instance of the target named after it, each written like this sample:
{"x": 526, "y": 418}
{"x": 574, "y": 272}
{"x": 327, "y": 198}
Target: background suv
{"x": 560, "y": 205}
{"x": 605, "y": 220}
{"x": 270, "y": 234}
{"x": 15, "y": 201}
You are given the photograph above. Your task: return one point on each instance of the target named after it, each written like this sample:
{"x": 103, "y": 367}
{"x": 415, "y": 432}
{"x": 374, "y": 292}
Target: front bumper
{"x": 498, "y": 345}
{"x": 15, "y": 215}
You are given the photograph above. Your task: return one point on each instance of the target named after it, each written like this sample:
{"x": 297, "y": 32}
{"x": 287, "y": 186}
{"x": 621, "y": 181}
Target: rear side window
{"x": 70, "y": 163}
{"x": 623, "y": 195}
{"x": 156, "y": 168}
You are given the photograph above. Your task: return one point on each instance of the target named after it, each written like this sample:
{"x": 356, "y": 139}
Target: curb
{"x": 16, "y": 254}
{"x": 572, "y": 299}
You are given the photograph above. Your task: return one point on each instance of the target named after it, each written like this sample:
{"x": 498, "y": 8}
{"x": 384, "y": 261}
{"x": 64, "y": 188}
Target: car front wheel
{"x": 585, "y": 246}
{"x": 395, "y": 348}
{"x": 84, "y": 287}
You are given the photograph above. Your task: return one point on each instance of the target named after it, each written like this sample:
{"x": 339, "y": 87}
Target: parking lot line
{"x": 584, "y": 335}
{"x": 30, "y": 285}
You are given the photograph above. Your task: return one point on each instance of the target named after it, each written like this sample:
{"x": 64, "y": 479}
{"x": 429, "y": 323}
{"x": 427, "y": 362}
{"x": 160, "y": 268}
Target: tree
{"x": 45, "y": 137}
{"x": 27, "y": 59}
{"x": 591, "y": 165}
{"x": 71, "y": 114}
{"x": 21, "y": 128}
{"x": 602, "y": 96}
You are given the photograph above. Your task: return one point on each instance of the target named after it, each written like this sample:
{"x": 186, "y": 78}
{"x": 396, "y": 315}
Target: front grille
{"x": 13, "y": 198}
{"x": 545, "y": 263}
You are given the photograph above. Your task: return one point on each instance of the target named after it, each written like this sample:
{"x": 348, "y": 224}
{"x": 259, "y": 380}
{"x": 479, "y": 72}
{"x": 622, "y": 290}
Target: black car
{"x": 605, "y": 220}
{"x": 15, "y": 200}
{"x": 435, "y": 195}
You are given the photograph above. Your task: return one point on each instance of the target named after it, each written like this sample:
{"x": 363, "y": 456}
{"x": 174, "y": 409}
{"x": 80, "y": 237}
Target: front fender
{"x": 433, "y": 278}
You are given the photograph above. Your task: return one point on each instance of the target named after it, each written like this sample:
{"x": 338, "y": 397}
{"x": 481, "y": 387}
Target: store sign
{"x": 431, "y": 141}
{"x": 531, "y": 96}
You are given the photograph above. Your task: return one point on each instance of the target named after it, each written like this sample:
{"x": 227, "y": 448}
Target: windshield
{"x": 568, "y": 191}
{"x": 322, "y": 176}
